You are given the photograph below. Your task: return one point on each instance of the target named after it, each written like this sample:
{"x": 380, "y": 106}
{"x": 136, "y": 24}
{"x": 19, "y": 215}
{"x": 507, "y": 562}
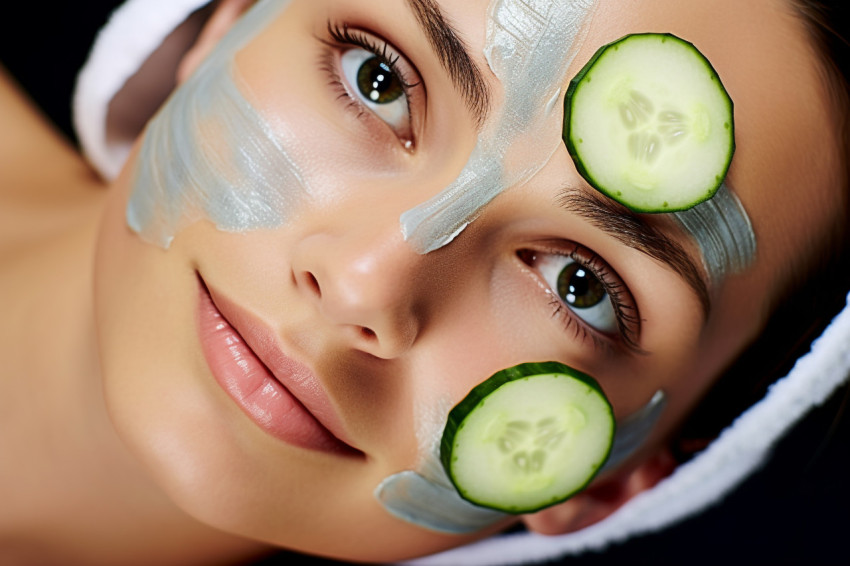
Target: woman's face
{"x": 372, "y": 341}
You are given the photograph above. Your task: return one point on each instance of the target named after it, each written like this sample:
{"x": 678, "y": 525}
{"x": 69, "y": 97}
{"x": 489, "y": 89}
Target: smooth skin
{"x": 165, "y": 454}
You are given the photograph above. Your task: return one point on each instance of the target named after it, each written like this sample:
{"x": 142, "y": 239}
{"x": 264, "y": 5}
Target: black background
{"x": 795, "y": 511}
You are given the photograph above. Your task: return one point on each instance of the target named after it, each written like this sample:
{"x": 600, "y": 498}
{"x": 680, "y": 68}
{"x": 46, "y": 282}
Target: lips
{"x": 282, "y": 396}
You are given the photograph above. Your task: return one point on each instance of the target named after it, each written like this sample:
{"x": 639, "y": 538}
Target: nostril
{"x": 368, "y": 333}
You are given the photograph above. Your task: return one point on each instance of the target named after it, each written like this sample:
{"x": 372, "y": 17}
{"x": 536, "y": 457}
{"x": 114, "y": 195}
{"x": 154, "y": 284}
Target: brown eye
{"x": 378, "y": 82}
{"x": 374, "y": 82}
{"x": 579, "y": 288}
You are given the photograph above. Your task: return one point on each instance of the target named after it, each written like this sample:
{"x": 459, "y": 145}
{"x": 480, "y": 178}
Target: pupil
{"x": 578, "y": 283}
{"x": 377, "y": 81}
{"x": 579, "y": 288}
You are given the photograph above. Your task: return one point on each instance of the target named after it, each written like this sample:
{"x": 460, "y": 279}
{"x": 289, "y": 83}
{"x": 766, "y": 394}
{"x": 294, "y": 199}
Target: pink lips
{"x": 279, "y": 394}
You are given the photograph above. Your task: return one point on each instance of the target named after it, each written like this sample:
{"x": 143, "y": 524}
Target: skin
{"x": 166, "y": 445}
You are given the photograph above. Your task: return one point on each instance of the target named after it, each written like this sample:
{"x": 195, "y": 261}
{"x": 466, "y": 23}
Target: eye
{"x": 580, "y": 289}
{"x": 374, "y": 78}
{"x": 374, "y": 81}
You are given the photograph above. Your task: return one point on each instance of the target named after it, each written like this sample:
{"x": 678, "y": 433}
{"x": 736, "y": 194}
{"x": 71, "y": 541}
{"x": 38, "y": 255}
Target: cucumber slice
{"x": 527, "y": 438}
{"x": 648, "y": 123}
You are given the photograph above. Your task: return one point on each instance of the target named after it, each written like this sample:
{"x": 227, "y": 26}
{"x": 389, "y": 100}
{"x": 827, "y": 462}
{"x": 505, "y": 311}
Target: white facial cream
{"x": 209, "y": 154}
{"x": 723, "y": 231}
{"x": 427, "y": 498}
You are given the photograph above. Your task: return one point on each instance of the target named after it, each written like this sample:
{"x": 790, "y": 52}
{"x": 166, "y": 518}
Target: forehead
{"x": 787, "y": 164}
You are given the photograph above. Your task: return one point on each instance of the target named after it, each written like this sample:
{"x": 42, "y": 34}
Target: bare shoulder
{"x": 43, "y": 179}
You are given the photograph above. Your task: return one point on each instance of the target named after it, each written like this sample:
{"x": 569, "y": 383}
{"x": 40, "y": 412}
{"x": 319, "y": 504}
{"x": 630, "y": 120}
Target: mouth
{"x": 280, "y": 395}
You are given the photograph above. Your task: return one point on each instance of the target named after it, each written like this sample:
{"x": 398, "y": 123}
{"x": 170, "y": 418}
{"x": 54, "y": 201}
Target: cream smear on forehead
{"x": 529, "y": 47}
{"x": 209, "y": 154}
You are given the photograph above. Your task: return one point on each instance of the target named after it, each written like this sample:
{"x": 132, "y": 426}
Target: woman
{"x": 372, "y": 336}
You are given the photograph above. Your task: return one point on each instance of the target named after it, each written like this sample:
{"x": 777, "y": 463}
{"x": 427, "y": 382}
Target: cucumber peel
{"x": 649, "y": 124}
{"x": 529, "y": 437}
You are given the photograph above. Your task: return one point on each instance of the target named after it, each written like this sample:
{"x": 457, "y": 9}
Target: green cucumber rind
{"x": 575, "y": 84}
{"x": 480, "y": 392}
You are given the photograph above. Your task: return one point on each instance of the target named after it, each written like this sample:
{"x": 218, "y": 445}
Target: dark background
{"x": 795, "y": 511}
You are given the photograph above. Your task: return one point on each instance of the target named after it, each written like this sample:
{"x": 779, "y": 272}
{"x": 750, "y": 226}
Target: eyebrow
{"x": 454, "y": 57}
{"x": 634, "y": 231}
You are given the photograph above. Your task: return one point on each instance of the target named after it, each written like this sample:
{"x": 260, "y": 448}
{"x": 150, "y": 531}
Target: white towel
{"x": 133, "y": 35}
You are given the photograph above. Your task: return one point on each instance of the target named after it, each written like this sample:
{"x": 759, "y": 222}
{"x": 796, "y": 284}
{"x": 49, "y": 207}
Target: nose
{"x": 365, "y": 284}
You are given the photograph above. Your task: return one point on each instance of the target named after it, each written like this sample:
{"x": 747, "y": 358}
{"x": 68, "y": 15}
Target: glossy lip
{"x": 282, "y": 396}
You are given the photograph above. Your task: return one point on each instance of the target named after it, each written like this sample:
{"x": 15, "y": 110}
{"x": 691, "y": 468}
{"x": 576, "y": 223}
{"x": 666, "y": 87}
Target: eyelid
{"x": 621, "y": 298}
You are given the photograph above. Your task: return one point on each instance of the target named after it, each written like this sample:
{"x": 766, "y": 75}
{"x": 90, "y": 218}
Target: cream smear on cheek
{"x": 427, "y": 498}
{"x": 209, "y": 154}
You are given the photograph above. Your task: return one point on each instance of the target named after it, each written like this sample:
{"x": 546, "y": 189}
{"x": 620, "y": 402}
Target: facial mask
{"x": 723, "y": 231}
{"x": 210, "y": 154}
{"x": 634, "y": 430}
{"x": 428, "y": 498}
{"x": 529, "y": 47}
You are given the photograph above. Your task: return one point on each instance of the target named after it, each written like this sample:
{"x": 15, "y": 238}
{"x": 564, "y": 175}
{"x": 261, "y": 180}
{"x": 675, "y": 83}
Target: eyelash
{"x": 628, "y": 321}
{"x": 343, "y": 36}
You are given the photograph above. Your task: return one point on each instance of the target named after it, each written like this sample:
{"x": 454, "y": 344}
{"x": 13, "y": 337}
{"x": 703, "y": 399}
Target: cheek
{"x": 494, "y": 321}
{"x": 145, "y": 318}
{"x": 156, "y": 387}
{"x": 191, "y": 441}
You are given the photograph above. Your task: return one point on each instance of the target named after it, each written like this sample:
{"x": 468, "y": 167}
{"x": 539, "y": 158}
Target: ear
{"x": 603, "y": 498}
{"x": 225, "y": 13}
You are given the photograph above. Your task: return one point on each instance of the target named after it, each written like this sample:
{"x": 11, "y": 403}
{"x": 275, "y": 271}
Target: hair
{"x": 816, "y": 293}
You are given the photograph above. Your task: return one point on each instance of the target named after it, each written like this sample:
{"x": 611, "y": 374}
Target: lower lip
{"x": 241, "y": 374}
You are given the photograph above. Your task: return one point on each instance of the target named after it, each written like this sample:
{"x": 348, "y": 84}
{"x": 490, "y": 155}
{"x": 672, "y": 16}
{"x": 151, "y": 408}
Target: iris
{"x": 579, "y": 288}
{"x": 378, "y": 82}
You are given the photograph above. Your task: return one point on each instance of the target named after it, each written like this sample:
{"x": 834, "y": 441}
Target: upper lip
{"x": 264, "y": 343}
